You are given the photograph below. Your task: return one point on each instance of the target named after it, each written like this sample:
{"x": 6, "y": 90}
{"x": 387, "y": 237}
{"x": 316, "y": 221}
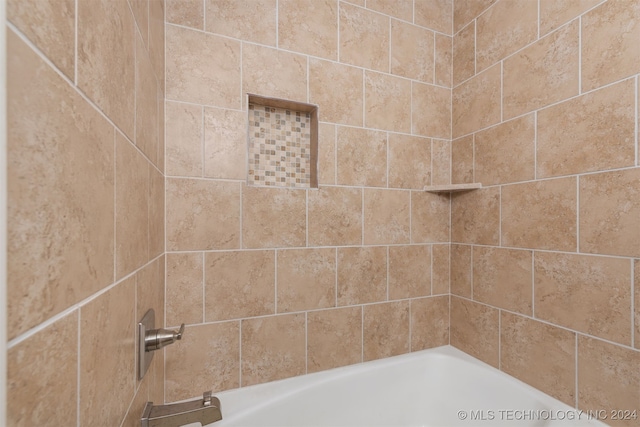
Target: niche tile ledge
{"x": 452, "y": 188}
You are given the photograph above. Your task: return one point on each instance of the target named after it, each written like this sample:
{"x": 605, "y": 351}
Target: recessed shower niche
{"x": 282, "y": 143}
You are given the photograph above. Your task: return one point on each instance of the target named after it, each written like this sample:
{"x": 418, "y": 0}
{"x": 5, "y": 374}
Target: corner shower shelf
{"x": 452, "y": 188}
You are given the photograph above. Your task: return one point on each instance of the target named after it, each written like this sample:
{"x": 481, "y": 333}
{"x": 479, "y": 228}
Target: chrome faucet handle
{"x": 180, "y": 332}
{"x": 155, "y": 339}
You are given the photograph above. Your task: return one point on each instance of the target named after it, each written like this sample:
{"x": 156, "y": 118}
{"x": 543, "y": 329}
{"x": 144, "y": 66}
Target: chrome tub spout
{"x": 204, "y": 411}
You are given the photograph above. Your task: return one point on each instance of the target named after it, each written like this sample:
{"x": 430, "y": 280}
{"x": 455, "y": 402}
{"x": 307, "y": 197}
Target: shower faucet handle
{"x": 155, "y": 339}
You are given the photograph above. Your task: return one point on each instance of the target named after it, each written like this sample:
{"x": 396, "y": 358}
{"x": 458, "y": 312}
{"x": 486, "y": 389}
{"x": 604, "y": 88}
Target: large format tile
{"x": 475, "y": 217}
{"x": 440, "y": 162}
{"x": 364, "y": 38}
{"x": 476, "y": 103}
{"x": 362, "y": 157}
{"x": 409, "y": 161}
{"x": 362, "y": 275}
{"x": 401, "y": 9}
{"x": 183, "y": 129}
{"x": 234, "y": 19}
{"x": 185, "y": 288}
{"x": 443, "y": 60}
{"x": 225, "y": 144}
{"x": 309, "y": 26}
{"x": 386, "y": 216}
{"x": 147, "y": 99}
{"x": 429, "y": 322}
{"x": 636, "y": 284}
{"x": 475, "y": 330}
{"x": 441, "y": 269}
{"x": 461, "y": 269}
{"x": 464, "y": 54}
{"x": 334, "y": 338}
{"x": 385, "y": 330}
{"x": 330, "y": 83}
{"x": 462, "y": 160}
{"x": 466, "y": 10}
{"x": 434, "y": 14}
{"x": 188, "y": 13}
{"x": 555, "y": 13}
{"x": 413, "y": 60}
{"x": 429, "y": 217}
{"x": 409, "y": 271}
{"x": 335, "y": 216}
{"x": 430, "y": 110}
{"x": 387, "y": 102}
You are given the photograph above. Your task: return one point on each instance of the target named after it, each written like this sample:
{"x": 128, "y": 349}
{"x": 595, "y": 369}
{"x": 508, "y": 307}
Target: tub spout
{"x": 204, "y": 411}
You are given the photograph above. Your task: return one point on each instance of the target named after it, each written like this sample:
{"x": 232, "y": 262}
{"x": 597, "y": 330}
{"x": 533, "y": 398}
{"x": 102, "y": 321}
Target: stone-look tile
{"x": 225, "y": 144}
{"x": 409, "y": 271}
{"x": 330, "y": 84}
{"x": 156, "y": 379}
{"x": 326, "y": 154}
{"x": 586, "y": 293}
{"x": 429, "y": 322}
{"x": 475, "y": 216}
{"x": 273, "y": 348}
{"x": 387, "y": 102}
{"x": 364, "y": 38}
{"x": 335, "y": 216}
{"x": 184, "y": 288}
{"x": 440, "y": 269}
{"x": 444, "y": 60}
{"x": 464, "y": 54}
{"x": 356, "y": 2}
{"x": 362, "y": 275}
{"x": 636, "y": 285}
{"x": 146, "y": 104}
{"x": 362, "y": 157}
{"x": 430, "y": 110}
{"x": 239, "y": 284}
{"x": 543, "y": 73}
{"x": 476, "y": 102}
{"x": 107, "y": 356}
{"x": 273, "y": 217}
{"x": 541, "y": 355}
{"x": 334, "y": 338}
{"x": 506, "y": 152}
{"x": 161, "y": 129}
{"x": 608, "y": 378}
{"x": 150, "y": 290}
{"x": 413, "y": 60}
{"x": 50, "y": 25}
{"x": 202, "y": 68}
{"x": 409, "y": 161}
{"x": 140, "y": 9}
{"x": 156, "y": 212}
{"x": 44, "y": 365}
{"x": 207, "y": 358}
{"x": 106, "y": 59}
{"x": 401, "y": 9}
{"x": 605, "y": 62}
{"x": 540, "y": 215}
{"x": 503, "y": 29}
{"x": 434, "y": 14}
{"x": 609, "y": 213}
{"x": 464, "y": 11}
{"x": 386, "y": 216}
{"x": 462, "y": 160}
{"x": 503, "y": 278}
{"x": 306, "y": 279}
{"x": 475, "y": 330}
{"x": 385, "y": 330}
{"x": 461, "y": 270}
{"x": 555, "y": 13}
{"x": 589, "y": 133}
{"x": 441, "y": 162}
{"x": 309, "y": 26}
{"x": 202, "y": 214}
{"x": 183, "y": 128}
{"x": 157, "y": 45}
{"x": 256, "y": 23}
{"x": 429, "y": 217}
{"x": 132, "y": 419}
{"x": 188, "y": 13}
{"x": 273, "y": 72}
{"x": 60, "y": 191}
{"x": 132, "y": 204}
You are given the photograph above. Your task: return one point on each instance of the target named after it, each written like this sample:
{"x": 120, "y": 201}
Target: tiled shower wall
{"x": 545, "y": 259}
{"x": 86, "y": 207}
{"x": 274, "y": 283}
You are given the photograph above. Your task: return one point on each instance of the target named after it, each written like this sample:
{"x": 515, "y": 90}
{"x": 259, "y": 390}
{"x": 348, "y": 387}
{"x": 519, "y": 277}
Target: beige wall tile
{"x": 610, "y": 35}
{"x": 50, "y": 25}
{"x": 464, "y": 54}
{"x": 44, "y": 365}
{"x": 140, "y": 9}
{"x": 184, "y": 131}
{"x": 462, "y": 160}
{"x": 540, "y": 215}
{"x": 156, "y": 41}
{"x": 60, "y": 193}
{"x": 441, "y": 162}
{"x": 137, "y": 405}
{"x": 207, "y": 358}
{"x": 476, "y": 102}
{"x": 434, "y": 14}
{"x": 362, "y": 275}
{"x": 506, "y": 153}
{"x": 440, "y": 265}
{"x": 555, "y": 13}
{"x": 156, "y": 379}
{"x": 429, "y": 322}
{"x": 444, "y": 60}
{"x": 202, "y": 68}
{"x": 273, "y": 348}
{"x": 225, "y": 144}
{"x": 326, "y": 154}
{"x": 386, "y": 216}
{"x": 156, "y": 212}
{"x": 309, "y": 26}
{"x": 362, "y": 157}
{"x": 636, "y": 285}
{"x": 387, "y": 102}
{"x": 185, "y": 288}
{"x": 239, "y": 284}
{"x": 273, "y": 217}
{"x": 610, "y": 212}
{"x": 401, "y": 9}
{"x": 415, "y": 59}
{"x": 364, "y": 38}
{"x": 188, "y": 13}
{"x": 466, "y": 10}
{"x": 409, "y": 271}
{"x": 106, "y": 61}
{"x": 146, "y": 104}
{"x": 335, "y": 216}
{"x": 196, "y": 219}
{"x": 234, "y": 19}
{"x": 334, "y": 338}
{"x": 608, "y": 378}
{"x": 461, "y": 270}
{"x": 306, "y": 279}
{"x": 356, "y": 2}
{"x": 475, "y": 330}
{"x": 429, "y": 217}
{"x": 503, "y": 278}
{"x": 107, "y": 355}
{"x": 543, "y": 73}
{"x": 541, "y": 355}
{"x": 589, "y": 133}
{"x": 430, "y": 110}
{"x": 409, "y": 161}
{"x": 330, "y": 84}
{"x": 150, "y": 290}
{"x": 585, "y": 293}
{"x": 475, "y": 216}
{"x": 385, "y": 330}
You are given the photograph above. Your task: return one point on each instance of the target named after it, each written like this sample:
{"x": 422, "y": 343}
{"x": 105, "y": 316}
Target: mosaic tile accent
{"x": 279, "y": 147}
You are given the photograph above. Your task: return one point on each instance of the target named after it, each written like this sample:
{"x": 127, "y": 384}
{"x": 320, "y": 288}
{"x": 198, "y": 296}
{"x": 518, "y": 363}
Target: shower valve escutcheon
{"x": 155, "y": 339}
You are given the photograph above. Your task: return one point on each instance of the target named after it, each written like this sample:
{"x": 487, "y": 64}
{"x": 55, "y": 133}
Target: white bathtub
{"x": 437, "y": 387}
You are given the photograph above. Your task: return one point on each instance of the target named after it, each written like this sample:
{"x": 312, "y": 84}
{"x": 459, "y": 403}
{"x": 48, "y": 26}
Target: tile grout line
{"x": 390, "y": 44}
{"x": 579, "y": 54}
{"x": 578, "y": 214}
{"x": 535, "y": 145}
